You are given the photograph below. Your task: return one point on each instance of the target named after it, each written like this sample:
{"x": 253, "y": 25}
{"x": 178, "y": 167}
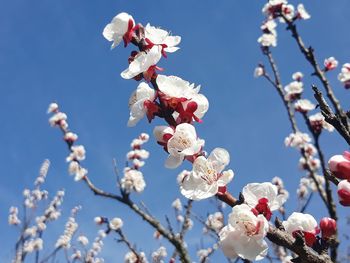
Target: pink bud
{"x": 344, "y": 193}
{"x": 328, "y": 227}
{"x": 340, "y": 165}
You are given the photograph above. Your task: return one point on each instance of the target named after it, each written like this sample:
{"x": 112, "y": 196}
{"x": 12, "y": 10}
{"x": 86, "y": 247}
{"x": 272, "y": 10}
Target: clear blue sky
{"x": 54, "y": 51}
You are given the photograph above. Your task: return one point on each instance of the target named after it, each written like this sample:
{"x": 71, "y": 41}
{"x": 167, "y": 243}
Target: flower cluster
{"x": 77, "y": 152}
{"x": 295, "y": 88}
{"x": 70, "y": 229}
{"x": 133, "y": 178}
{"x": 214, "y": 222}
{"x": 285, "y": 12}
{"x": 318, "y": 123}
{"x": 159, "y": 255}
{"x": 175, "y": 100}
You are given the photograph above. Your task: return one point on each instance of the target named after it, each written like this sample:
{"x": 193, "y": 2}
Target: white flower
{"x": 70, "y": 137}
{"x": 133, "y": 181}
{"x": 58, "y": 118}
{"x": 268, "y": 39}
{"x": 83, "y": 240}
{"x": 272, "y": 6}
{"x": 53, "y": 107}
{"x": 177, "y": 91}
{"x": 269, "y": 26}
{"x": 293, "y": 90}
{"x": 330, "y": 63}
{"x": 77, "y": 153}
{"x": 304, "y": 105}
{"x": 288, "y": 11}
{"x": 157, "y": 36}
{"x": 142, "y": 62}
{"x": 137, "y": 102}
{"x": 302, "y": 222}
{"x": 75, "y": 169}
{"x": 297, "y": 76}
{"x": 344, "y": 75}
{"x": 318, "y": 122}
{"x": 159, "y": 255}
{"x": 259, "y": 71}
{"x": 177, "y": 204}
{"x": 207, "y": 175}
{"x": 180, "y": 143}
{"x": 302, "y": 13}
{"x": 215, "y": 221}
{"x": 263, "y": 197}
{"x": 116, "y": 223}
{"x": 297, "y": 139}
{"x": 118, "y": 27}
{"x": 130, "y": 257}
{"x": 244, "y": 234}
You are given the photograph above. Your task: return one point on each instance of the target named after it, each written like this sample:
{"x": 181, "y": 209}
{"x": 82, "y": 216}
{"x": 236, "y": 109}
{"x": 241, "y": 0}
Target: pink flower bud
{"x": 340, "y": 165}
{"x": 344, "y": 193}
{"x": 328, "y": 227}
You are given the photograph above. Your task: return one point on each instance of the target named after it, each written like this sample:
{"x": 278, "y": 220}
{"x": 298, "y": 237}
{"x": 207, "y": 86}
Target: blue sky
{"x": 54, "y": 51}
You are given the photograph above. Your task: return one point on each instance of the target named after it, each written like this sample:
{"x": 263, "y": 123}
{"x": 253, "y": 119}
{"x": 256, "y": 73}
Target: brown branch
{"x": 329, "y": 116}
{"x": 310, "y": 57}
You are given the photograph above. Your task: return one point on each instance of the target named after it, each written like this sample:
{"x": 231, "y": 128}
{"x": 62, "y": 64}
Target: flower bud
{"x": 328, "y": 227}
{"x": 344, "y": 193}
{"x": 340, "y": 165}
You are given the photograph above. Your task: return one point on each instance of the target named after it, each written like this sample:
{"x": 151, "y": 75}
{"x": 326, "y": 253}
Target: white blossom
{"x": 304, "y": 105}
{"x": 77, "y": 153}
{"x": 254, "y": 193}
{"x": 83, "y": 240}
{"x": 133, "y": 181}
{"x": 137, "y": 102}
{"x": 293, "y": 90}
{"x": 180, "y": 143}
{"x": 159, "y": 255}
{"x": 244, "y": 234}
{"x": 330, "y": 63}
{"x": 177, "y": 205}
{"x": 116, "y": 223}
{"x": 302, "y": 13}
{"x": 259, "y": 71}
{"x": 297, "y": 139}
{"x": 53, "y": 107}
{"x": 161, "y": 37}
{"x": 142, "y": 62}
{"x": 118, "y": 27}
{"x": 344, "y": 75}
{"x": 268, "y": 39}
{"x": 207, "y": 175}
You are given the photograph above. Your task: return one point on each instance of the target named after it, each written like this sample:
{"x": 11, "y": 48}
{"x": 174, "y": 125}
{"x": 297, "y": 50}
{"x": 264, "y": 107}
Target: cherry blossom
{"x": 304, "y": 223}
{"x": 297, "y": 139}
{"x": 318, "y": 123}
{"x": 183, "y": 97}
{"x": 344, "y": 192}
{"x": 268, "y": 40}
{"x": 263, "y": 198}
{"x": 344, "y": 75}
{"x": 133, "y": 180}
{"x": 139, "y": 103}
{"x": 120, "y": 28}
{"x": 298, "y": 76}
{"x": 244, "y": 234}
{"x": 287, "y": 11}
{"x": 143, "y": 62}
{"x": 157, "y": 36}
{"x": 330, "y": 63}
{"x": 340, "y": 165}
{"x": 259, "y": 71}
{"x": 207, "y": 177}
{"x": 293, "y": 90}
{"x": 116, "y": 223}
{"x": 180, "y": 143}
{"x": 302, "y": 13}
{"x": 304, "y": 105}
{"x": 328, "y": 227}
{"x": 273, "y": 7}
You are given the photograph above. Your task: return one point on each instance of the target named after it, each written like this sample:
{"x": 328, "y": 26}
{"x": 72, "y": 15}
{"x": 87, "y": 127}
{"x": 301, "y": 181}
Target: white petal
{"x": 174, "y": 161}
{"x": 159, "y": 132}
{"x": 226, "y": 177}
{"x": 219, "y": 157}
